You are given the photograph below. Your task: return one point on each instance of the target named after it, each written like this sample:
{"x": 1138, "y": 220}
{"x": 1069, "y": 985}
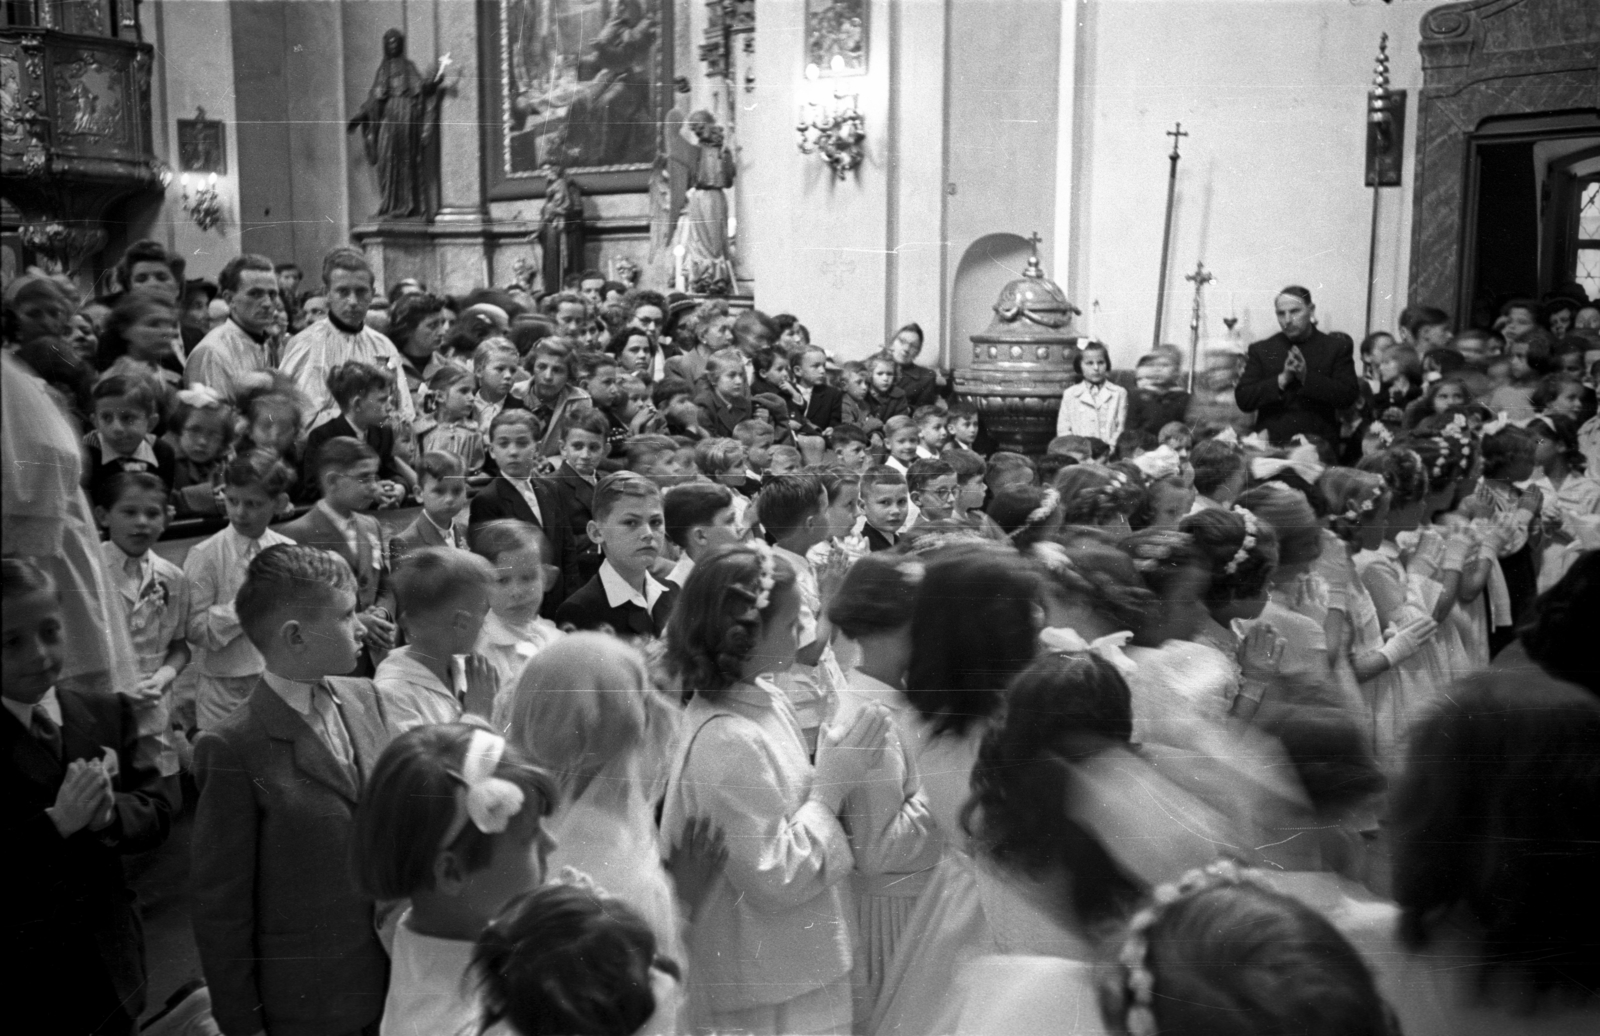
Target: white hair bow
{"x": 1159, "y": 462}
{"x": 199, "y": 396}
{"x": 1066, "y": 640}
{"x": 1302, "y": 460}
{"x": 490, "y": 801}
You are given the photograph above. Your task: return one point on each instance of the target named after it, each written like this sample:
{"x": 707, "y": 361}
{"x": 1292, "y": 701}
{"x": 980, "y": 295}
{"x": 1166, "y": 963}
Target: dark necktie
{"x": 46, "y": 731}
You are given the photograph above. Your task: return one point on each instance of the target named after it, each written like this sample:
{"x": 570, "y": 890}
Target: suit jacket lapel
{"x": 311, "y": 756}
{"x": 516, "y": 504}
{"x": 329, "y": 533}
{"x": 77, "y": 723}
{"x": 30, "y": 758}
{"x": 368, "y": 734}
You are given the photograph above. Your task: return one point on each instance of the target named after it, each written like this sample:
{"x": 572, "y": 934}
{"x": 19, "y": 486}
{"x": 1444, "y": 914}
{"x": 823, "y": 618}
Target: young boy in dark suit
{"x": 443, "y": 492}
{"x": 78, "y": 796}
{"x": 348, "y": 472}
{"x": 583, "y": 446}
{"x": 362, "y": 392}
{"x": 515, "y": 446}
{"x": 286, "y": 941}
{"x": 623, "y": 596}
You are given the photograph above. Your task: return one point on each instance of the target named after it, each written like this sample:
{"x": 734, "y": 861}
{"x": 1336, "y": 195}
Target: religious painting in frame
{"x": 202, "y": 145}
{"x": 584, "y": 83}
{"x": 836, "y": 33}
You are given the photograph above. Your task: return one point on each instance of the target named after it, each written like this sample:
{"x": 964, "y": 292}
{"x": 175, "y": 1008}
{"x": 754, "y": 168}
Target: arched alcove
{"x": 988, "y": 264}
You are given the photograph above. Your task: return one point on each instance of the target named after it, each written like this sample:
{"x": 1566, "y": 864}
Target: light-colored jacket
{"x": 1096, "y": 412}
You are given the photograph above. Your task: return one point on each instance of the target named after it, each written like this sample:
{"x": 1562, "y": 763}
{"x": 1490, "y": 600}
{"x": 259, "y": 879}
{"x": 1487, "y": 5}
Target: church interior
{"x": 871, "y": 517}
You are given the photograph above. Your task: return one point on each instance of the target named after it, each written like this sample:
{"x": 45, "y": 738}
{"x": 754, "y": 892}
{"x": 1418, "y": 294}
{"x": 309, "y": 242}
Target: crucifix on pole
{"x": 1200, "y": 278}
{"x": 1176, "y": 133}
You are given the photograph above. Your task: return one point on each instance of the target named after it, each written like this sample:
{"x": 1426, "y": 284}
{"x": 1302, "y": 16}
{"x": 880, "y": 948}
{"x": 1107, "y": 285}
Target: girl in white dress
{"x": 584, "y": 711}
{"x": 974, "y": 626}
{"x": 1358, "y": 503}
{"x": 452, "y": 819}
{"x": 770, "y": 947}
{"x": 896, "y": 841}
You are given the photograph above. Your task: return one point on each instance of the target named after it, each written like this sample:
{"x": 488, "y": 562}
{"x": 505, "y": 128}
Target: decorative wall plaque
{"x": 202, "y": 145}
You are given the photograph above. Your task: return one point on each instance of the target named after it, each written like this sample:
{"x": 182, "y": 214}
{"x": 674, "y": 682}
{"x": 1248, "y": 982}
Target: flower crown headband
{"x": 484, "y": 799}
{"x": 1157, "y": 550}
{"x": 766, "y": 577}
{"x": 1251, "y": 530}
{"x": 1357, "y": 509}
{"x": 1137, "y": 981}
{"x": 1047, "y": 506}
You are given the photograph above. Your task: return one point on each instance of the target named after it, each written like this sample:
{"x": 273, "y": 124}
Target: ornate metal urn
{"x": 1023, "y": 361}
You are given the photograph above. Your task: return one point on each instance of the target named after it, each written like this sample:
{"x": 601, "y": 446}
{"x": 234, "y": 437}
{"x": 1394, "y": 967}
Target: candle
{"x": 680, "y": 280}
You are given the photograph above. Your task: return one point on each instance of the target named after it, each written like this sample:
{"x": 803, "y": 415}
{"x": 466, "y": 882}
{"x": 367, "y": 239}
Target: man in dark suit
{"x": 76, "y": 799}
{"x": 1298, "y": 380}
{"x": 286, "y": 941}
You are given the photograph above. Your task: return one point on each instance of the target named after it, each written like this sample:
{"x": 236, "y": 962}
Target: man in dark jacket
{"x": 1299, "y": 379}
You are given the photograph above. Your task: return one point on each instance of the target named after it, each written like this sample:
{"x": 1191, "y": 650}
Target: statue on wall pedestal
{"x": 397, "y": 124}
{"x": 703, "y": 231}
{"x": 560, "y": 233}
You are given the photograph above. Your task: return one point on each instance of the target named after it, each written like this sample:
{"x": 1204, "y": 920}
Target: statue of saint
{"x": 703, "y": 231}
{"x": 560, "y": 231}
{"x": 397, "y": 125}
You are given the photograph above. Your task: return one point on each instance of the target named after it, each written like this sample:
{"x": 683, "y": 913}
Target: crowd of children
{"x": 716, "y": 689}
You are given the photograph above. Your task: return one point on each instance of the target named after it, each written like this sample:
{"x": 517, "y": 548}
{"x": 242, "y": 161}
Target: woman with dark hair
{"x": 920, "y": 384}
{"x": 1496, "y": 847}
{"x": 417, "y": 326}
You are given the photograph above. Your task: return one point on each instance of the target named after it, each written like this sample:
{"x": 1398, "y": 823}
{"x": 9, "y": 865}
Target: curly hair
{"x": 1294, "y": 520}
{"x": 1061, "y": 709}
{"x": 1505, "y": 774}
{"x": 1402, "y": 471}
{"x": 566, "y": 959}
{"x": 1222, "y": 536}
{"x": 1442, "y": 455}
{"x": 955, "y": 678}
{"x": 715, "y": 625}
{"x": 1505, "y": 447}
{"x": 1095, "y": 495}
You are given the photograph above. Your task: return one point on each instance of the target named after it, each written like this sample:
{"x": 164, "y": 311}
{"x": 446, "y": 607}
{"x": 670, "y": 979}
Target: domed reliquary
{"x": 1022, "y": 362}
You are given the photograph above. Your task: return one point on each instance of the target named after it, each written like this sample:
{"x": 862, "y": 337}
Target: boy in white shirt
{"x": 442, "y": 598}
{"x": 255, "y": 487}
{"x": 513, "y": 631}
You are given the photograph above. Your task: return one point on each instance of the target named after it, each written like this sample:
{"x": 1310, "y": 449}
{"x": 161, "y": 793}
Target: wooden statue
{"x": 703, "y": 230}
{"x": 560, "y": 231}
{"x": 397, "y": 125}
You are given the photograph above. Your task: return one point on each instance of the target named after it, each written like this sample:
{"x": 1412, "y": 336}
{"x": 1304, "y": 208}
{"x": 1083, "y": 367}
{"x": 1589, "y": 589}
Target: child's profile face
{"x": 902, "y": 445}
{"x": 202, "y": 436}
{"x": 150, "y": 337}
{"x": 635, "y": 397}
{"x": 1519, "y": 324}
{"x": 122, "y": 424}
{"x": 443, "y": 498}
{"x": 812, "y": 369}
{"x": 496, "y": 376}
{"x": 842, "y": 510}
{"x": 963, "y": 430}
{"x": 603, "y": 386}
{"x": 32, "y": 646}
{"x": 372, "y": 408}
{"x": 682, "y": 410}
{"x": 1169, "y": 506}
{"x": 333, "y": 643}
{"x": 1546, "y": 448}
{"x": 550, "y": 375}
{"x": 730, "y": 383}
{"x": 783, "y": 463}
{"x": 855, "y": 386}
{"x": 518, "y": 590}
{"x": 722, "y": 530}
{"x": 1095, "y": 364}
{"x": 249, "y": 509}
{"x": 882, "y": 377}
{"x": 1568, "y": 401}
{"x": 457, "y": 401}
{"x": 885, "y": 507}
{"x": 734, "y": 474}
{"x": 631, "y": 532}
{"x": 1388, "y": 368}
{"x": 973, "y": 493}
{"x": 758, "y": 447}
{"x": 1448, "y": 395}
{"x": 353, "y": 489}
{"x": 514, "y": 450}
{"x": 778, "y": 373}
{"x": 937, "y": 500}
{"x": 855, "y": 456}
{"x": 136, "y": 520}
{"x": 583, "y": 450}
{"x": 933, "y": 433}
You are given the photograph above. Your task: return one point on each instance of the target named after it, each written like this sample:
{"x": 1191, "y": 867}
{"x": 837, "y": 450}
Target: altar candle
{"x": 680, "y": 280}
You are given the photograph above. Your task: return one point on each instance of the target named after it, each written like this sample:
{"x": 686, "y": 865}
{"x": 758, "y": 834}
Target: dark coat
{"x": 575, "y": 495}
{"x": 825, "y": 410}
{"x": 720, "y": 417}
{"x": 379, "y": 437}
{"x": 891, "y": 404}
{"x": 500, "y": 499}
{"x": 286, "y": 940}
{"x": 876, "y": 540}
{"x": 1150, "y": 411}
{"x": 588, "y": 609}
{"x": 97, "y": 472}
{"x": 919, "y": 384}
{"x": 1308, "y": 406}
{"x": 74, "y": 946}
{"x": 420, "y": 533}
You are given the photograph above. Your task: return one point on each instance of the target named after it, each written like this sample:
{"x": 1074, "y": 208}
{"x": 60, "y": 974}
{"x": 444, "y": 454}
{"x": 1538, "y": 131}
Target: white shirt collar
{"x": 145, "y": 453}
{"x": 618, "y": 592}
{"x": 117, "y": 559}
{"x": 680, "y": 571}
{"x": 447, "y": 531}
{"x": 295, "y": 694}
{"x": 242, "y": 543}
{"x": 24, "y": 712}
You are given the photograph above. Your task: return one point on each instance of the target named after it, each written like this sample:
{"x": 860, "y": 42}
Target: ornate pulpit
{"x": 75, "y": 133}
